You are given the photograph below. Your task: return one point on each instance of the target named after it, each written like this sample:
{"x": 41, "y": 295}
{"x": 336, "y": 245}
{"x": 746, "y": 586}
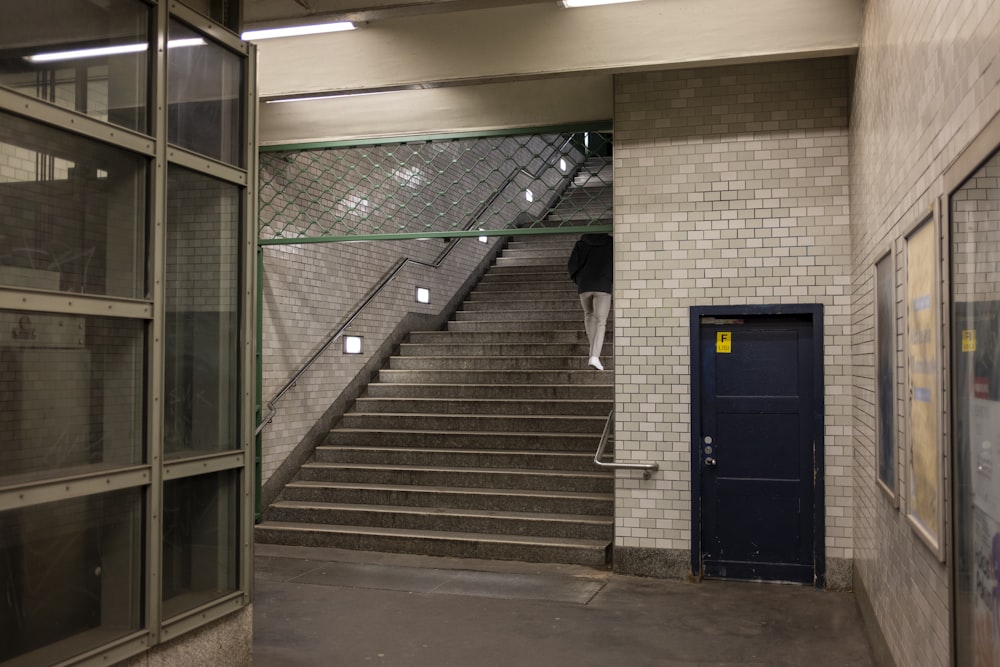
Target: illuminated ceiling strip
{"x": 107, "y": 51}
{"x": 295, "y": 31}
{"x": 591, "y": 3}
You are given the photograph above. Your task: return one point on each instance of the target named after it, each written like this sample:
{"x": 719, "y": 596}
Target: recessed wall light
{"x": 352, "y": 344}
{"x": 529, "y": 195}
{"x": 423, "y": 295}
{"x": 296, "y": 31}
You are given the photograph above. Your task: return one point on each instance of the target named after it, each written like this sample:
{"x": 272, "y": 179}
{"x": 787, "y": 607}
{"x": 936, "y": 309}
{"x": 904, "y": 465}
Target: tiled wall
{"x": 926, "y": 84}
{"x": 731, "y": 187}
{"x": 310, "y": 289}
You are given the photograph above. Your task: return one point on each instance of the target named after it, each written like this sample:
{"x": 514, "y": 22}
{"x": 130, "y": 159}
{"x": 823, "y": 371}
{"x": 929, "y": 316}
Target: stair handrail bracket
{"x": 647, "y": 468}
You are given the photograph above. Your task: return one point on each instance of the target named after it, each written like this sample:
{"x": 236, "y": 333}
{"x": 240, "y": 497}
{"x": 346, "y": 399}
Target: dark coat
{"x": 591, "y": 264}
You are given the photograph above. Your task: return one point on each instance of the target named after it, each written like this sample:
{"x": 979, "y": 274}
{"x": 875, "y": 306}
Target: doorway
{"x": 757, "y": 443}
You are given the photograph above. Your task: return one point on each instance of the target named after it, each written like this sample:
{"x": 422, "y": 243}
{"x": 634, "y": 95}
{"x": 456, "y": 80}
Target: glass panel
{"x": 72, "y": 212}
{"x": 70, "y": 576}
{"x": 885, "y": 355}
{"x": 92, "y": 57}
{"x": 200, "y": 540}
{"x": 202, "y": 336}
{"x": 205, "y": 94}
{"x": 975, "y": 220}
{"x": 71, "y": 394}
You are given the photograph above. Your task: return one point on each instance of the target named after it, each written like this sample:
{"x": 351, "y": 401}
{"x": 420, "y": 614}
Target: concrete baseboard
{"x": 657, "y": 563}
{"x": 227, "y": 642}
{"x": 839, "y": 574}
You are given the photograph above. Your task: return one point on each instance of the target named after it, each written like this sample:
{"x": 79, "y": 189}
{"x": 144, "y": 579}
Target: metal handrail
{"x": 386, "y": 278}
{"x": 646, "y": 468}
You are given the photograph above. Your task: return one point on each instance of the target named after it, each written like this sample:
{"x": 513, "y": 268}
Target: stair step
{"x": 509, "y": 500}
{"x": 406, "y": 421}
{"x": 479, "y": 458}
{"x": 524, "y": 292}
{"x": 434, "y": 543}
{"x": 482, "y": 325}
{"x": 479, "y": 478}
{"x": 553, "y": 275}
{"x": 570, "y": 303}
{"x": 581, "y": 376}
{"x": 535, "y": 362}
{"x": 483, "y": 406}
{"x": 510, "y": 350}
{"x": 572, "y": 526}
{"x": 491, "y": 391}
{"x": 549, "y": 442}
{"x": 499, "y": 337}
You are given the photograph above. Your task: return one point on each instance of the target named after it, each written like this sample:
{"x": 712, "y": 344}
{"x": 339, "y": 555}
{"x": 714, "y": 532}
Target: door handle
{"x": 709, "y": 461}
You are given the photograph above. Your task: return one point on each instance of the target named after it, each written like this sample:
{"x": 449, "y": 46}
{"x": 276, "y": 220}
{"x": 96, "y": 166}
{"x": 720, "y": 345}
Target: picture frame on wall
{"x": 924, "y": 437}
{"x": 886, "y": 458}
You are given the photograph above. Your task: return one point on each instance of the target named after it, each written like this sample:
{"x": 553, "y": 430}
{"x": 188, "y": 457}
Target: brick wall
{"x": 926, "y": 84}
{"x": 731, "y": 187}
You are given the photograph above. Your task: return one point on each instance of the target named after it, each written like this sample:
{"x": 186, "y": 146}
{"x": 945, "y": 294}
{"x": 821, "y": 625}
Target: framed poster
{"x": 925, "y": 496}
{"x": 885, "y": 376}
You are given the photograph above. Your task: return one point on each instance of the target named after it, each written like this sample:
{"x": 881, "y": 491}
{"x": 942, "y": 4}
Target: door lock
{"x": 709, "y": 461}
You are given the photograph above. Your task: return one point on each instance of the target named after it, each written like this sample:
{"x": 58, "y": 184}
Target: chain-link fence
{"x": 558, "y": 181}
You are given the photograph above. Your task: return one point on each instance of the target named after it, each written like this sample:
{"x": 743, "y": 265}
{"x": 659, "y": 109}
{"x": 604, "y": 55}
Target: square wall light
{"x": 352, "y": 344}
{"x": 423, "y": 295}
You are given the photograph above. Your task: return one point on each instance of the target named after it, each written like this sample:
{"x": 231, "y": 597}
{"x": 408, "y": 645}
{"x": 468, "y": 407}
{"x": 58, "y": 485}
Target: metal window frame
{"x": 150, "y": 476}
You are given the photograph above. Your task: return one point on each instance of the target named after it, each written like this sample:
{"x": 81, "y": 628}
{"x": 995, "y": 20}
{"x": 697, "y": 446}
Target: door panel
{"x": 756, "y": 456}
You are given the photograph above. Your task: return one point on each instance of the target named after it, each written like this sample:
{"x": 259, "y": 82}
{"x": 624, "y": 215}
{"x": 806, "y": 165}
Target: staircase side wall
{"x": 308, "y": 290}
{"x": 731, "y": 188}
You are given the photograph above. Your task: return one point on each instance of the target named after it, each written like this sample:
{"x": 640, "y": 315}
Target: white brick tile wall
{"x": 926, "y": 84}
{"x": 731, "y": 187}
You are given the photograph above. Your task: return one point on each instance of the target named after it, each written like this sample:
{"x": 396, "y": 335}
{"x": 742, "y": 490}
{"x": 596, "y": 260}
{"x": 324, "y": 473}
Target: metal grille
{"x": 559, "y": 181}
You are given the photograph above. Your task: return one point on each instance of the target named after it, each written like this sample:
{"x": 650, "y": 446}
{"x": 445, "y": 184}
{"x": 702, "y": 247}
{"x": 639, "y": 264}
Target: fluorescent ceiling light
{"x": 96, "y": 52}
{"x": 591, "y": 3}
{"x": 295, "y": 31}
{"x": 85, "y": 53}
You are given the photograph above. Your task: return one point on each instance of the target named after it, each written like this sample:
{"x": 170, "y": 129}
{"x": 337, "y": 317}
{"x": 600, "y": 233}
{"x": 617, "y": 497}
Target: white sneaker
{"x": 596, "y": 363}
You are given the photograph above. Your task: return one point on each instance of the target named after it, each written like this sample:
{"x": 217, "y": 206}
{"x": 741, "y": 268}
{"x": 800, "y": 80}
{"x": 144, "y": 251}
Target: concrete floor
{"x": 336, "y": 607}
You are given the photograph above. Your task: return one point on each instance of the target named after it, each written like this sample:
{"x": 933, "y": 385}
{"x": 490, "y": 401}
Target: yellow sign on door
{"x": 968, "y": 340}
{"x": 723, "y": 342}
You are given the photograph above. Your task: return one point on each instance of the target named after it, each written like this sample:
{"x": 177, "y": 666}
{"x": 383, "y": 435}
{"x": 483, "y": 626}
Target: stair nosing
{"x": 446, "y": 511}
{"x": 454, "y": 490}
{"x": 527, "y": 540}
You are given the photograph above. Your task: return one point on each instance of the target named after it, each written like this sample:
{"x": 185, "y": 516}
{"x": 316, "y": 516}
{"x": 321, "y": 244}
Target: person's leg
{"x": 601, "y": 306}
{"x": 587, "y": 301}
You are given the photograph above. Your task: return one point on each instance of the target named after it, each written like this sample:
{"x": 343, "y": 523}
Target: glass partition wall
{"x": 974, "y": 213}
{"x": 125, "y": 410}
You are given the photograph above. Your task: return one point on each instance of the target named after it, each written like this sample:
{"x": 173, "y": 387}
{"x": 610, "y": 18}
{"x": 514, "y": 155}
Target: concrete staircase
{"x": 476, "y": 441}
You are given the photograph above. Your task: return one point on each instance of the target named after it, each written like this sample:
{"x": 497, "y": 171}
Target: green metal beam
{"x": 596, "y": 126}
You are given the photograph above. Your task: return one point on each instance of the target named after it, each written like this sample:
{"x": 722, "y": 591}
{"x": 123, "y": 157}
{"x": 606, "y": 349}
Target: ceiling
{"x": 265, "y": 13}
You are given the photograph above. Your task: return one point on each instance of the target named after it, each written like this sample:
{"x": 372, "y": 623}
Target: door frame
{"x": 815, "y": 312}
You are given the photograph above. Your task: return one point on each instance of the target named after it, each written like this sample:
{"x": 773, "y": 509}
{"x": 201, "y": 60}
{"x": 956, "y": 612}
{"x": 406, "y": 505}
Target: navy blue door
{"x": 757, "y": 448}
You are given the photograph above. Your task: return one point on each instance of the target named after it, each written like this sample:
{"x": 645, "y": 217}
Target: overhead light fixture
{"x": 591, "y": 3}
{"x": 96, "y": 52}
{"x": 297, "y": 31}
